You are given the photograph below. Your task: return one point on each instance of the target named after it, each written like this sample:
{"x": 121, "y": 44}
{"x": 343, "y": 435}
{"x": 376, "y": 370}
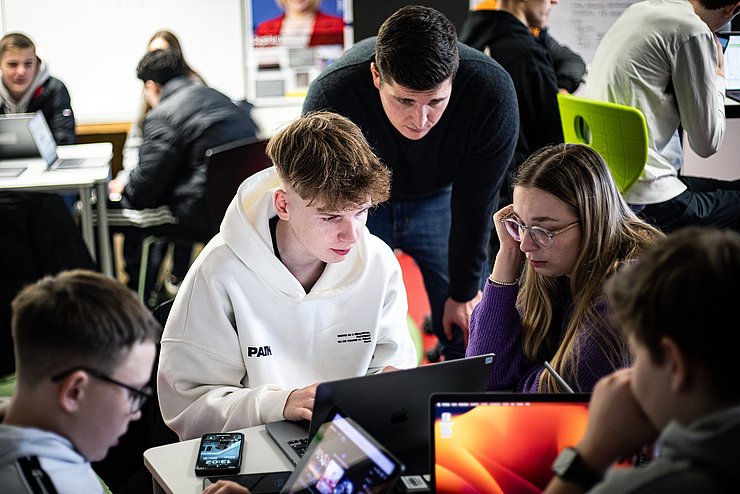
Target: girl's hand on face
{"x": 505, "y": 240}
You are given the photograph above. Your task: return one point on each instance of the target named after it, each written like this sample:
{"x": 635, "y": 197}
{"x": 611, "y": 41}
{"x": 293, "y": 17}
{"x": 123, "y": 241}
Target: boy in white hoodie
{"x": 84, "y": 347}
{"x": 293, "y": 290}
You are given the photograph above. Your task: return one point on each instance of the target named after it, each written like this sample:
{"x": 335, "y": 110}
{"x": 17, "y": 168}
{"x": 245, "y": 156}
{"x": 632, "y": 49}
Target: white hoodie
{"x": 243, "y": 333}
{"x": 68, "y": 470}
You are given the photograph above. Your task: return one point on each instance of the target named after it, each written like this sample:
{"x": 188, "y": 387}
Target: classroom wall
{"x": 93, "y": 46}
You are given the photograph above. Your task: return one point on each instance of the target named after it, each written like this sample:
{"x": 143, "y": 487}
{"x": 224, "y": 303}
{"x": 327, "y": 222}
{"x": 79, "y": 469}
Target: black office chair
{"x": 228, "y": 166}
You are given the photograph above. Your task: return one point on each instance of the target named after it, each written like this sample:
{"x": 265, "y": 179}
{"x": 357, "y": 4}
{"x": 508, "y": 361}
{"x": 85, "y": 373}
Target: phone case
{"x": 220, "y": 454}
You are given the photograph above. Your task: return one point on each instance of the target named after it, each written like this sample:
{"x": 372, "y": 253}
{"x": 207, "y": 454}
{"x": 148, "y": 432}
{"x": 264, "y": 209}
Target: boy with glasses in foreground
{"x": 84, "y": 347}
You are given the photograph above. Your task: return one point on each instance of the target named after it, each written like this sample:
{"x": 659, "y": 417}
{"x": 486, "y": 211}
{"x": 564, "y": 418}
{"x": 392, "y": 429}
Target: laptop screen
{"x": 43, "y": 138}
{"x": 343, "y": 458}
{"x": 730, "y": 42}
{"x": 501, "y": 442}
{"x": 15, "y": 138}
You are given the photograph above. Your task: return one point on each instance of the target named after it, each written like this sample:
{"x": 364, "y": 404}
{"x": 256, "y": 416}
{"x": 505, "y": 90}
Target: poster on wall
{"x": 289, "y": 43}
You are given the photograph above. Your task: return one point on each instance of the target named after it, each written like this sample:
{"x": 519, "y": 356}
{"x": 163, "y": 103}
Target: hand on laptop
{"x": 225, "y": 487}
{"x": 299, "y": 405}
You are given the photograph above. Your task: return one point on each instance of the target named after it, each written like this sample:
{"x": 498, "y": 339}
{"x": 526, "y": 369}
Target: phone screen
{"x": 220, "y": 454}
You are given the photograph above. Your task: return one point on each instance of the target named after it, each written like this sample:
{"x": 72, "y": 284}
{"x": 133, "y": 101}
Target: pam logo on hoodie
{"x": 259, "y": 351}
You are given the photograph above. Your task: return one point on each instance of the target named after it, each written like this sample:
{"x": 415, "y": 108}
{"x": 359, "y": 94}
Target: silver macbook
{"x": 391, "y": 406}
{"x": 500, "y": 442}
{"x": 47, "y": 147}
{"x": 27, "y": 135}
{"x": 15, "y": 139}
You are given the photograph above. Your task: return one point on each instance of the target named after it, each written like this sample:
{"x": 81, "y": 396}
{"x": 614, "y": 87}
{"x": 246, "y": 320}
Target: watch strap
{"x": 570, "y": 467}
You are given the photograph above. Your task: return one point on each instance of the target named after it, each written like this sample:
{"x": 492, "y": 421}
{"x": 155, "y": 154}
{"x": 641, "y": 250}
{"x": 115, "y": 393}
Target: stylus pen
{"x": 557, "y": 377}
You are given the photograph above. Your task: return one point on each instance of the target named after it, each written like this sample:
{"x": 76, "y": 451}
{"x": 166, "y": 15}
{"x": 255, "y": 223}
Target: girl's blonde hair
{"x": 611, "y": 233}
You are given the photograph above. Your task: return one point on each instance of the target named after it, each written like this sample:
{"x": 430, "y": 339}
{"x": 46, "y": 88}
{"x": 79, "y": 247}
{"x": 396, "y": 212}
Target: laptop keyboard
{"x": 299, "y": 446}
{"x": 71, "y": 163}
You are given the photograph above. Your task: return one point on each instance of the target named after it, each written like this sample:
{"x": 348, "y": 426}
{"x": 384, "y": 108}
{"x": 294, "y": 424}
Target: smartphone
{"x": 220, "y": 454}
{"x": 257, "y": 483}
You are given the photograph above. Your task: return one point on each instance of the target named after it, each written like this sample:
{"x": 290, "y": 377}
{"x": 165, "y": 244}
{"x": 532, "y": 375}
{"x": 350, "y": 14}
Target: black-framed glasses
{"x": 137, "y": 396}
{"x": 543, "y": 238}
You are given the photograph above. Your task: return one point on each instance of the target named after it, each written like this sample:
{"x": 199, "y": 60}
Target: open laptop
{"x": 391, "y": 406}
{"x": 731, "y": 44}
{"x": 501, "y": 442}
{"x": 342, "y": 458}
{"x": 27, "y": 135}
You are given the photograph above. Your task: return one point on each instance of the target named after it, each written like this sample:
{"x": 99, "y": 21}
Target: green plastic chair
{"x": 7, "y": 385}
{"x": 418, "y": 340}
{"x": 617, "y": 132}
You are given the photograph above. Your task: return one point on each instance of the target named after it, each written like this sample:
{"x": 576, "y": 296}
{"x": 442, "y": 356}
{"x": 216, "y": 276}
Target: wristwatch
{"x": 570, "y": 467}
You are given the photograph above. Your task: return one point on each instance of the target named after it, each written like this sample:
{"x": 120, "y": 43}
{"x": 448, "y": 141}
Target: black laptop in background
{"x": 391, "y": 406}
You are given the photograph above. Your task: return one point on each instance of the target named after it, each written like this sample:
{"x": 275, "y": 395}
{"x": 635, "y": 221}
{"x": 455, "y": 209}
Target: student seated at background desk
{"x": 182, "y": 249}
{"x": 292, "y": 291}
{"x": 187, "y": 119}
{"x": 27, "y": 87}
{"x": 675, "y": 77}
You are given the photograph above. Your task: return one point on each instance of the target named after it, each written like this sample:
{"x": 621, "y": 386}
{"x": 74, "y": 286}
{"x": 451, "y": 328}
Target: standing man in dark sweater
{"x": 443, "y": 117}
{"x": 187, "y": 119}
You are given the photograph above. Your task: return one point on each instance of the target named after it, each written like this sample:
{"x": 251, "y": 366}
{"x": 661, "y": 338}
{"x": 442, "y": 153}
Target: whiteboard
{"x": 93, "y": 46}
{"x": 580, "y": 24}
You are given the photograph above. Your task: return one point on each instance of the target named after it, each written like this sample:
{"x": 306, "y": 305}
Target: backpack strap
{"x": 35, "y": 477}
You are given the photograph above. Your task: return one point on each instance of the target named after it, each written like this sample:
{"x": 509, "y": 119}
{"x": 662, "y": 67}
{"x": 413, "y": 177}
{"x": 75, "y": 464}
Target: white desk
{"x": 82, "y": 180}
{"x": 172, "y": 465}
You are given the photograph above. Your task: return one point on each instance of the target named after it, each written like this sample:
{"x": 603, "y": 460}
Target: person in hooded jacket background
{"x": 27, "y": 87}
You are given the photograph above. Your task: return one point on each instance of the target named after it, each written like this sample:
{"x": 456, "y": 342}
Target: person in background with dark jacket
{"x": 181, "y": 249}
{"x": 569, "y": 65}
{"x": 187, "y": 119}
{"x": 27, "y": 87}
{"x": 570, "y": 68}
{"x": 505, "y": 33}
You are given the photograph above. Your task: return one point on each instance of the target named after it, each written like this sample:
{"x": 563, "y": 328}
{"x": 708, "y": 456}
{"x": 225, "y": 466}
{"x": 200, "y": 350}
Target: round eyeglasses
{"x": 543, "y": 238}
{"x": 137, "y": 396}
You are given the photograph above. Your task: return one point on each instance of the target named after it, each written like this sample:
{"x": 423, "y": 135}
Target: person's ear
{"x": 72, "y": 390}
{"x": 730, "y": 11}
{"x": 679, "y": 365}
{"x": 280, "y": 201}
{"x": 376, "y": 74}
